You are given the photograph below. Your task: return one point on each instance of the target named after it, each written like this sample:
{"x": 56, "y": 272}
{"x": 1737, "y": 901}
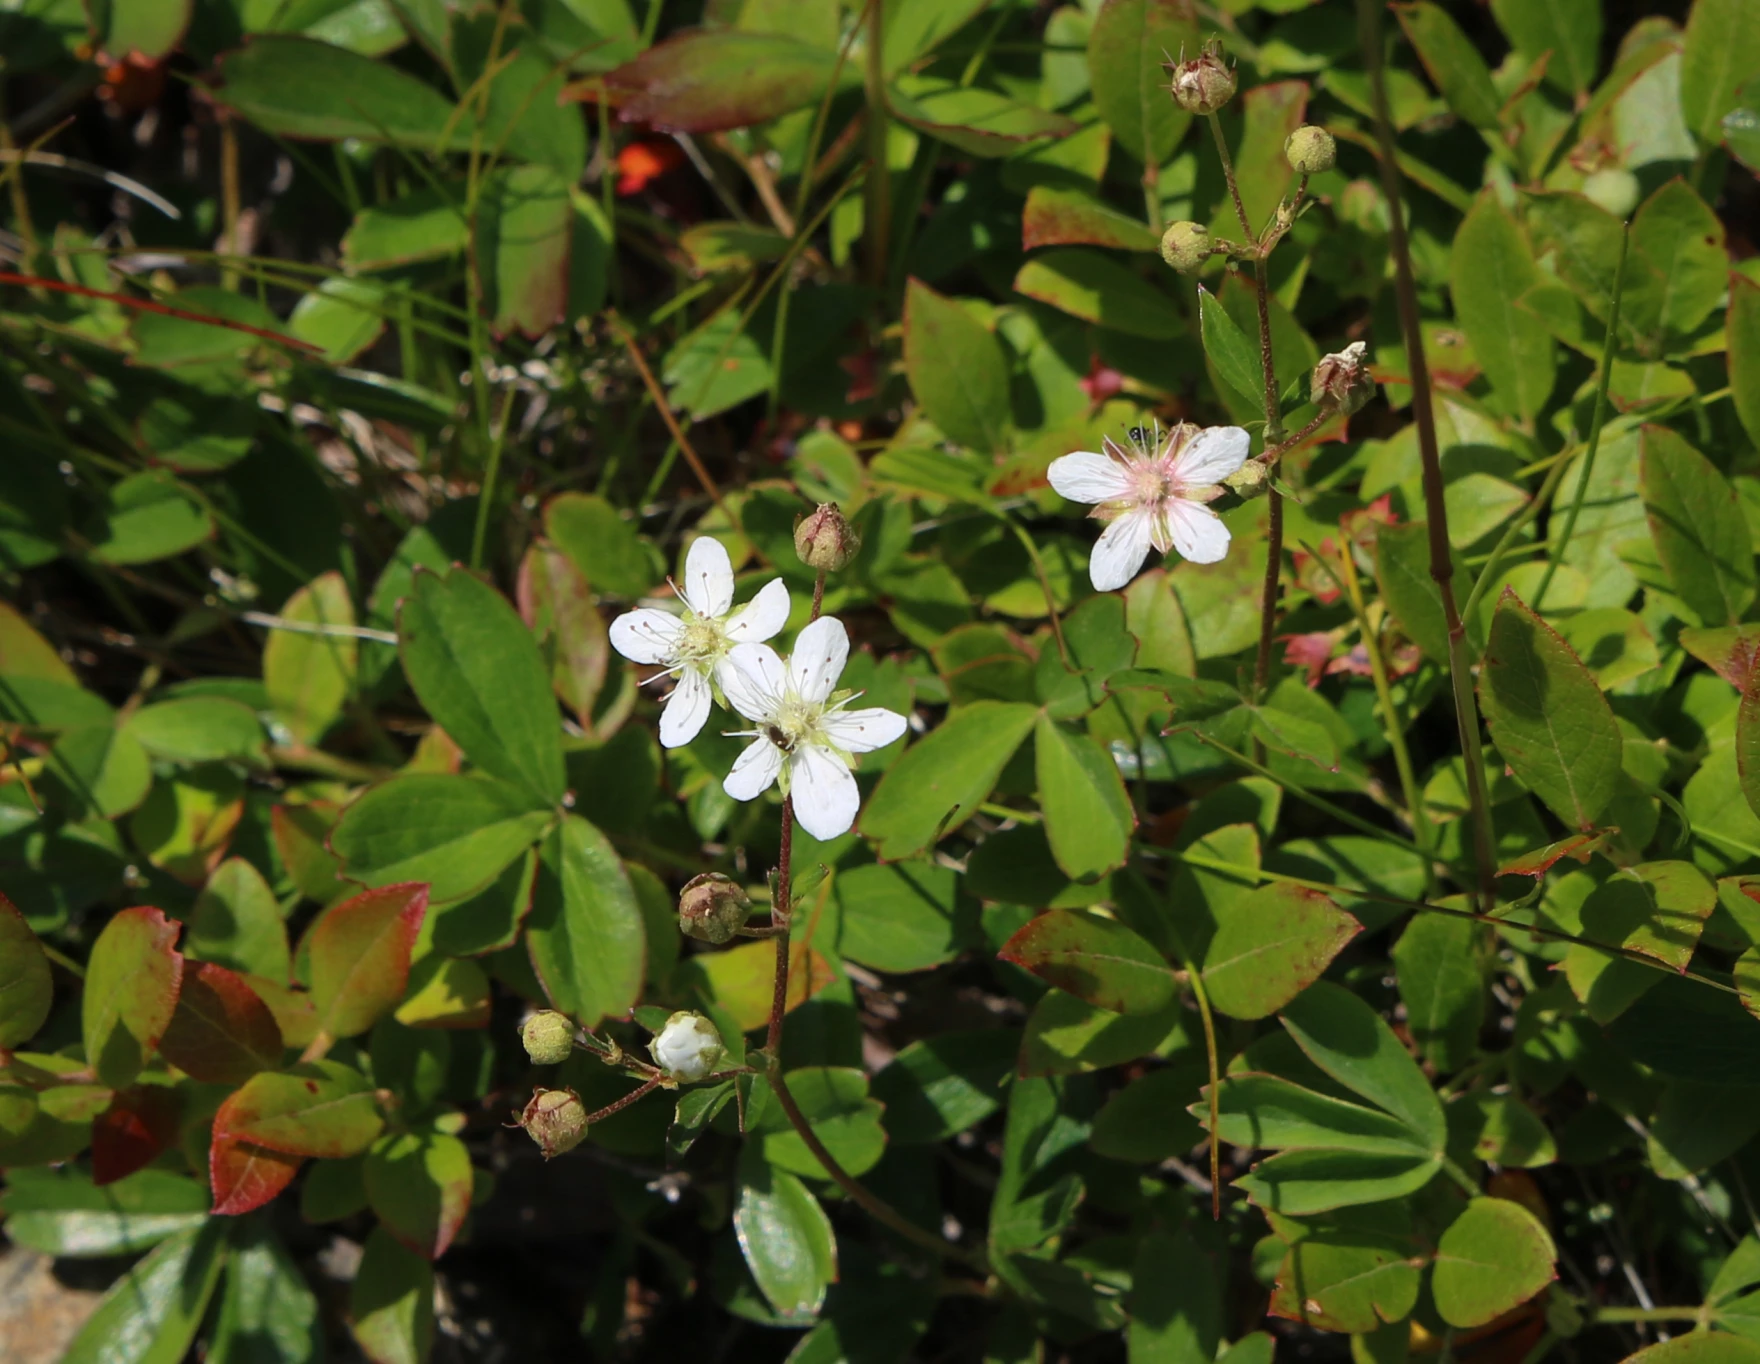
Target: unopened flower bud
{"x": 1204, "y": 84}
{"x": 1613, "y": 189}
{"x": 687, "y": 1048}
{"x": 1186, "y": 246}
{"x": 824, "y": 540}
{"x": 556, "y": 1119}
{"x": 712, "y": 908}
{"x": 1310, "y": 150}
{"x": 1250, "y": 480}
{"x": 548, "y": 1037}
{"x": 1342, "y": 382}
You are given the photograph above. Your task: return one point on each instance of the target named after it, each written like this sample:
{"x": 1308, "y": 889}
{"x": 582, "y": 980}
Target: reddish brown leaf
{"x": 222, "y": 1033}
{"x": 139, "y": 1124}
{"x": 1729, "y": 651}
{"x": 1063, "y": 217}
{"x": 243, "y": 1176}
{"x": 292, "y": 1007}
{"x": 1541, "y": 861}
{"x": 704, "y": 80}
{"x": 131, "y": 986}
{"x": 360, "y": 956}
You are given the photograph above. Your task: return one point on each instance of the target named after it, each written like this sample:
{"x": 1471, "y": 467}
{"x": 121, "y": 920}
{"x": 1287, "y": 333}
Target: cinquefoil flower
{"x": 694, "y": 647}
{"x": 804, "y": 736}
{"x": 1153, "y": 494}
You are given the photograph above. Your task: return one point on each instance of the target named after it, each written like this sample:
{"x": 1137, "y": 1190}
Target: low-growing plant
{"x": 550, "y": 620}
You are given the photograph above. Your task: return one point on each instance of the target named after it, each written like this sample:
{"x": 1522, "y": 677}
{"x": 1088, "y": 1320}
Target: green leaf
{"x": 1236, "y": 358}
{"x": 199, "y": 729}
{"x": 150, "y": 516}
{"x": 1350, "y": 1042}
{"x": 1402, "y": 568}
{"x": 150, "y": 1315}
{"x": 524, "y": 228}
{"x": 221, "y": 1033}
{"x": 342, "y": 317}
{"x": 268, "y": 1313}
{"x": 1176, "y": 1303}
{"x": 1097, "y": 960}
{"x": 1351, "y": 1271}
{"x": 901, "y": 916}
{"x": 1501, "y": 1128}
{"x": 940, "y": 780}
{"x": 1452, "y": 63}
{"x": 1700, "y": 532}
{"x": 131, "y": 986}
{"x": 486, "y": 920}
{"x": 1441, "y": 962}
{"x": 477, "y": 670}
{"x": 171, "y": 339}
{"x": 1069, "y": 1036}
{"x": 26, "y": 987}
{"x": 556, "y": 600}
{"x": 976, "y": 121}
{"x": 942, "y": 1085}
{"x": 391, "y": 1306}
{"x": 1699, "y": 1347}
{"x": 1742, "y": 323}
{"x": 1303, "y": 1182}
{"x": 299, "y": 87}
{"x": 1657, "y": 909}
{"x": 309, "y": 677}
{"x": 360, "y": 951}
{"x": 1678, "y": 237}
{"x": 1696, "y": 1126}
{"x": 911, "y": 28}
{"x": 785, "y": 1237}
{"x": 319, "y": 1108}
{"x": 1548, "y": 718}
{"x": 956, "y": 370}
{"x": 456, "y": 833}
{"x": 600, "y": 543}
{"x": 1722, "y": 51}
{"x": 61, "y": 1212}
{"x": 697, "y": 1108}
{"x": 516, "y": 89}
{"x": 1492, "y": 1257}
{"x": 585, "y": 932}
{"x": 1088, "y": 813}
{"x": 704, "y": 80}
{"x": 237, "y": 923}
{"x": 1271, "y": 946}
{"x": 419, "y": 1184}
{"x": 99, "y": 770}
{"x": 1148, "y": 1121}
{"x": 1101, "y": 290}
{"x": 1491, "y": 266}
{"x": 1126, "y": 47}
{"x": 1267, "y": 1111}
{"x": 422, "y": 225}
{"x": 1055, "y": 216}
{"x": 1566, "y": 32}
{"x": 1747, "y": 746}
{"x": 837, "y": 1107}
{"x": 1687, "y": 1032}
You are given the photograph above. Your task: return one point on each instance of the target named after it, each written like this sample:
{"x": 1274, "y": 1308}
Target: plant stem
{"x": 878, "y": 215}
{"x": 229, "y": 198}
{"x": 619, "y": 1105}
{"x": 1195, "y": 978}
{"x": 1607, "y": 348}
{"x": 1307, "y": 797}
{"x": 1612, "y": 1314}
{"x": 1436, "y": 510}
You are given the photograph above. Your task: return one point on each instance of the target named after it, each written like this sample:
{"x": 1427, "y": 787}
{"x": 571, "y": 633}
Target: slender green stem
{"x": 1603, "y": 1315}
{"x": 1607, "y": 348}
{"x": 1309, "y": 798}
{"x": 1195, "y": 978}
{"x": 1468, "y": 1185}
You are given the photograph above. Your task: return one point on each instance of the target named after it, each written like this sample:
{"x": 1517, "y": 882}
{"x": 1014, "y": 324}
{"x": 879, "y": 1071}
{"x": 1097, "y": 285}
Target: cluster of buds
{"x": 1342, "y": 382}
{"x": 1204, "y": 84}
{"x": 824, "y": 540}
{"x": 712, "y": 908}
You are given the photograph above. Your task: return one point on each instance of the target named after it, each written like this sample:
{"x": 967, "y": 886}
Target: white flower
{"x": 1153, "y": 494}
{"x": 694, "y": 647}
{"x": 804, "y": 734}
{"x": 687, "y": 1047}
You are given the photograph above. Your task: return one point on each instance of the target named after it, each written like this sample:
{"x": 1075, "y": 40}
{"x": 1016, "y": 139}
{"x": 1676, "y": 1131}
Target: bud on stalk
{"x": 687, "y": 1048}
{"x": 1342, "y": 382}
{"x": 1310, "y": 150}
{"x": 824, "y": 539}
{"x": 1204, "y": 84}
{"x": 556, "y": 1119}
{"x": 1186, "y": 246}
{"x": 548, "y": 1037}
{"x": 712, "y": 908}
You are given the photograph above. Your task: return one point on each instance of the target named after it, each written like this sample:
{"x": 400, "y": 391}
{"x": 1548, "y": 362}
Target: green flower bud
{"x": 1186, "y": 246}
{"x": 824, "y": 540}
{"x": 1204, "y": 84}
{"x": 1613, "y": 189}
{"x": 1310, "y": 150}
{"x": 548, "y": 1037}
{"x": 687, "y": 1048}
{"x": 712, "y": 908}
{"x": 1251, "y": 480}
{"x": 556, "y": 1119}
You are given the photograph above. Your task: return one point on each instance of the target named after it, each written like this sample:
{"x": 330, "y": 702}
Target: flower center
{"x": 796, "y": 721}
{"x": 703, "y": 641}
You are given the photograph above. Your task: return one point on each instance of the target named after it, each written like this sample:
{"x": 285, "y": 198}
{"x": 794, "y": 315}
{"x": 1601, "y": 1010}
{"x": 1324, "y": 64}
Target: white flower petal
{"x": 823, "y": 791}
{"x": 762, "y": 616}
{"x": 754, "y": 771}
{"x": 820, "y": 651}
{"x": 646, "y": 635}
{"x": 1087, "y": 477}
{"x": 681, "y": 719}
{"x": 708, "y": 577}
{"x": 752, "y": 678}
{"x": 1198, "y": 532}
{"x": 1120, "y": 550}
{"x": 1211, "y": 456}
{"x": 862, "y": 731}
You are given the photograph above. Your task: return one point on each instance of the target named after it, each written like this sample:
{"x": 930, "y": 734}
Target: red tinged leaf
{"x": 132, "y": 981}
{"x": 419, "y": 1183}
{"x": 26, "y": 988}
{"x": 322, "y": 1109}
{"x": 221, "y": 1033}
{"x": 1728, "y": 650}
{"x": 360, "y": 956}
{"x": 139, "y": 1124}
{"x": 244, "y": 1177}
{"x": 1541, "y": 860}
{"x": 1097, "y": 960}
{"x": 705, "y": 80}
